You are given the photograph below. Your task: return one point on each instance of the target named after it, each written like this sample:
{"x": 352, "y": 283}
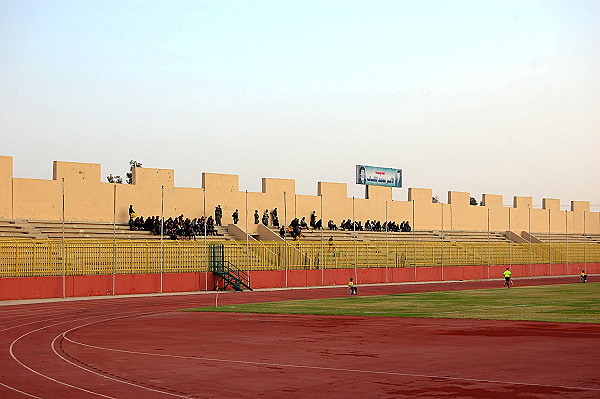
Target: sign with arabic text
{"x": 377, "y": 176}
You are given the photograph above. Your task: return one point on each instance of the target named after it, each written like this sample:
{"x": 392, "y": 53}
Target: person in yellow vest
{"x": 583, "y": 276}
{"x": 352, "y": 287}
{"x": 507, "y": 275}
{"x": 132, "y": 214}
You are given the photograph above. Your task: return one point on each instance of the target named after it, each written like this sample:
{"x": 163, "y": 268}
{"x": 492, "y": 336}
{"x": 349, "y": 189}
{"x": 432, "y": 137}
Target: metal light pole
{"x": 64, "y": 252}
{"x": 247, "y": 236}
{"x": 387, "y": 224}
{"x": 114, "y": 237}
{"x": 206, "y": 254}
{"x": 584, "y": 244}
{"x": 509, "y": 243}
{"x": 442, "y": 243}
{"x": 549, "y": 243}
{"x": 567, "y": 238}
{"x": 530, "y": 242}
{"x": 322, "y": 245}
{"x": 414, "y": 240}
{"x": 285, "y": 249}
{"x": 162, "y": 228}
{"x": 488, "y": 242}
{"x": 354, "y": 238}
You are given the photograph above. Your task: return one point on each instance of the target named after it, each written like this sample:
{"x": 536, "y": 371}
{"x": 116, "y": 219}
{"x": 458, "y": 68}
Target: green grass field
{"x": 578, "y": 303}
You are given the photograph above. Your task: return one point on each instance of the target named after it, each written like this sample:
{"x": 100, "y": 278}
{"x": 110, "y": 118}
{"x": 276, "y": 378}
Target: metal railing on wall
{"x": 30, "y": 257}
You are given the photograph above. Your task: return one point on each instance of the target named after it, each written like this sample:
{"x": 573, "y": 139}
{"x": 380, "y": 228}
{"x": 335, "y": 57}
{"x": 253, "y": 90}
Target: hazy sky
{"x": 498, "y": 97}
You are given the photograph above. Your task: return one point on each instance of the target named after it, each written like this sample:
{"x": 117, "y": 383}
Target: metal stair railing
{"x": 231, "y": 275}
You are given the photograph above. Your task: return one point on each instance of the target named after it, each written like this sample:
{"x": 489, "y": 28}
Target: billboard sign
{"x": 376, "y": 176}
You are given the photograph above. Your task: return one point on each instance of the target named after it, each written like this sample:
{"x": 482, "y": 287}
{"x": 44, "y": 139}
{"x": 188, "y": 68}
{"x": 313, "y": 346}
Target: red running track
{"x": 144, "y": 348}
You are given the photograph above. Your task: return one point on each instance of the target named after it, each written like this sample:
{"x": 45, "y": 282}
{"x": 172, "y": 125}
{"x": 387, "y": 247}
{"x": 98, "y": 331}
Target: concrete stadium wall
{"x": 87, "y": 198}
{"x": 82, "y": 286}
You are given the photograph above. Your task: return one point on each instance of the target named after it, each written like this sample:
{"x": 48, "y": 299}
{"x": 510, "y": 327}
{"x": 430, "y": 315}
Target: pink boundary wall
{"x": 81, "y": 286}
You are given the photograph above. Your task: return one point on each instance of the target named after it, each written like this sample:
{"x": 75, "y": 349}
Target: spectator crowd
{"x": 296, "y": 226}
{"x": 186, "y": 228}
{"x": 176, "y": 227}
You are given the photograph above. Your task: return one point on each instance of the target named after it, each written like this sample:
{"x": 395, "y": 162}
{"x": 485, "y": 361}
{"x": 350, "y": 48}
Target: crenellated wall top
{"x": 87, "y": 197}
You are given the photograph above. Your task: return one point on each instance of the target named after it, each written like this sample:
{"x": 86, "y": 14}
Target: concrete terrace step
{"x": 59, "y": 225}
{"x": 10, "y": 228}
{"x": 16, "y": 234}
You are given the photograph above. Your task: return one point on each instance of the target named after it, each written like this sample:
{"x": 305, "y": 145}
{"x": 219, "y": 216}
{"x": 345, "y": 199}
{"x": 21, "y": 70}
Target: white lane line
{"x": 393, "y": 373}
{"x": 39, "y": 321}
{"x": 105, "y": 376}
{"x": 96, "y": 311}
{"x": 17, "y": 390}
{"x": 12, "y": 327}
{"x": 34, "y": 322}
{"x": 12, "y": 354}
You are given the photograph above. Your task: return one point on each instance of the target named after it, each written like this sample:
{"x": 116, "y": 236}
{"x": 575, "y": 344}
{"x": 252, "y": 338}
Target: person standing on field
{"x": 352, "y": 287}
{"x": 507, "y": 275}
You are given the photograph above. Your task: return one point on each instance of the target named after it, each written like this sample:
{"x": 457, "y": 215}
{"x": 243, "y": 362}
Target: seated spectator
{"x": 331, "y": 225}
{"x": 319, "y": 224}
{"x": 202, "y": 229}
{"x": 282, "y": 232}
{"x": 303, "y": 223}
{"x": 139, "y": 223}
{"x": 377, "y": 226}
{"x": 297, "y": 233}
{"x": 275, "y": 221}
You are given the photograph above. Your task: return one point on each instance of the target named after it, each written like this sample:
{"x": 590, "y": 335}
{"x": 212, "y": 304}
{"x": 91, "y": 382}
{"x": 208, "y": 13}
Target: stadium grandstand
{"x": 74, "y": 235}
